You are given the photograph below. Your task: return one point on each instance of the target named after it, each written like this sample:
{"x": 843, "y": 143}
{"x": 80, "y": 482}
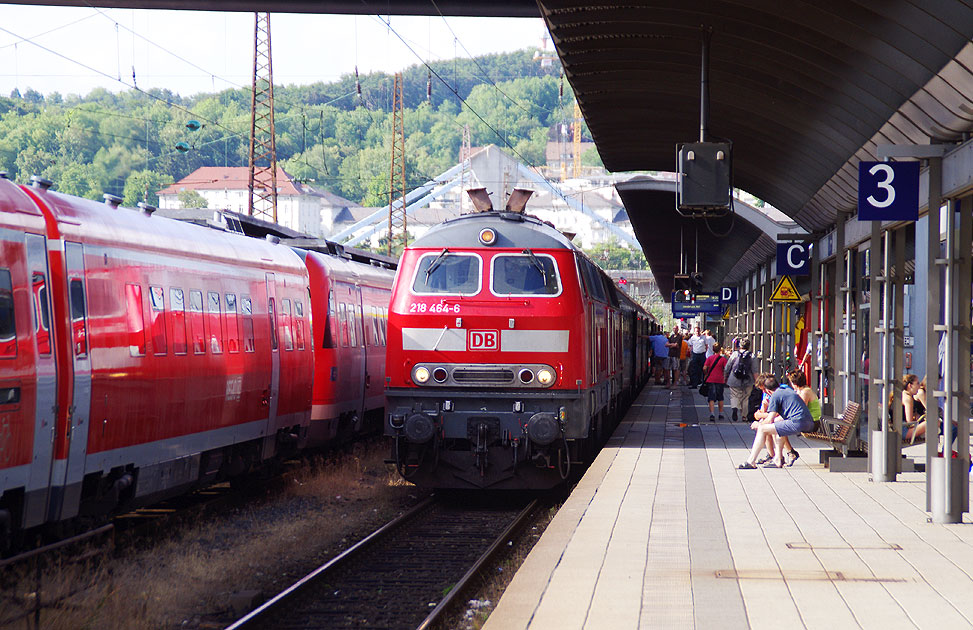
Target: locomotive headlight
{"x": 421, "y": 374}
{"x": 488, "y": 236}
{"x": 545, "y": 376}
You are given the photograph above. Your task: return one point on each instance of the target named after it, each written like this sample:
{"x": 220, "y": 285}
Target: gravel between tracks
{"x": 206, "y": 574}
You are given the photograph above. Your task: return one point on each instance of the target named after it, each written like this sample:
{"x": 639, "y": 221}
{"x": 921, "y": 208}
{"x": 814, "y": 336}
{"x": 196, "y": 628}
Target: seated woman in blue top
{"x": 786, "y": 415}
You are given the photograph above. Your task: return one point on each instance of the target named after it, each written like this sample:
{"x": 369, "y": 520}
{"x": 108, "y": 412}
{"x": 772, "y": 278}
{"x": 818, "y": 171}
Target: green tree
{"x": 613, "y": 255}
{"x": 142, "y": 186}
{"x": 191, "y": 199}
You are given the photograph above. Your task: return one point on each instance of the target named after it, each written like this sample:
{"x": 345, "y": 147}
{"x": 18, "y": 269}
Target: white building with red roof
{"x": 299, "y": 207}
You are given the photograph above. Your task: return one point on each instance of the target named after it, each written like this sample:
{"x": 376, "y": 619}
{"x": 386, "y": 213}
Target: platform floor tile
{"x": 665, "y": 532}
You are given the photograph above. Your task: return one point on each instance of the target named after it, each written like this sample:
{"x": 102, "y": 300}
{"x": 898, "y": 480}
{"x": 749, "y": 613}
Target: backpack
{"x": 753, "y": 403}
{"x": 742, "y": 368}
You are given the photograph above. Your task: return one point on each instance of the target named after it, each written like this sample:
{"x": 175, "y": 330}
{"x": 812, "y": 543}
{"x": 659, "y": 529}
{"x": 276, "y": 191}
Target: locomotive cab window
{"x": 525, "y": 274}
{"x": 8, "y": 327}
{"x": 447, "y": 273}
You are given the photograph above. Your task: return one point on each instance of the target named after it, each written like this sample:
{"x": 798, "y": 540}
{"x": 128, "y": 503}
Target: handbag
{"x": 704, "y": 386}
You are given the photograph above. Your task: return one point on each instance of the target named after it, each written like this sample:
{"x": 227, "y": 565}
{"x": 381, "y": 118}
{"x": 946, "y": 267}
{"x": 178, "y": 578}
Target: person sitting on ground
{"x": 786, "y": 415}
{"x": 798, "y": 382}
{"x": 713, "y": 377}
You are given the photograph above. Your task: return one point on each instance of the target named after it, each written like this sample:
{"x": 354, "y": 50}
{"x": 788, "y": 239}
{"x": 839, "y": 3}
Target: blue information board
{"x": 695, "y": 304}
{"x": 888, "y": 191}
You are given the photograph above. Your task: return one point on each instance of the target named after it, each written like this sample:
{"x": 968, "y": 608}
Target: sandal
{"x": 747, "y": 466}
{"x": 792, "y": 456}
{"x": 765, "y": 459}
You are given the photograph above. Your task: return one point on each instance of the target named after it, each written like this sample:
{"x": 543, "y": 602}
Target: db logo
{"x": 483, "y": 340}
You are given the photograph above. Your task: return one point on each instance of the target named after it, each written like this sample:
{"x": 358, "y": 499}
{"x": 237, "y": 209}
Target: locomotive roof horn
{"x": 481, "y": 199}
{"x": 517, "y": 200}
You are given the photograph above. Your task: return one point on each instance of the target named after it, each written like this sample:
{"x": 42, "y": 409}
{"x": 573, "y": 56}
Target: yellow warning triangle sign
{"x": 785, "y": 291}
{"x": 726, "y": 314}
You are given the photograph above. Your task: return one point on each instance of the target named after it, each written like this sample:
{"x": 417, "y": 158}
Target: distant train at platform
{"x": 511, "y": 356}
{"x": 142, "y": 357}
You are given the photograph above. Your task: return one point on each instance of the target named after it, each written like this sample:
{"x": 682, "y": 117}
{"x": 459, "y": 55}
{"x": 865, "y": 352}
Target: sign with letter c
{"x": 793, "y": 259}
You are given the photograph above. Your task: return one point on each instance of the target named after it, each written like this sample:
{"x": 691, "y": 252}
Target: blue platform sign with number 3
{"x": 888, "y": 191}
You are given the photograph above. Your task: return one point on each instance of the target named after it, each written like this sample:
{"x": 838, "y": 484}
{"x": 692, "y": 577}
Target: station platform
{"x": 664, "y": 531}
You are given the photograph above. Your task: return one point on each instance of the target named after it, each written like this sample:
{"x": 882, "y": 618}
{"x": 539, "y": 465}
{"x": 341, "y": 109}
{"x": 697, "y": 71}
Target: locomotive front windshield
{"x": 525, "y": 274}
{"x": 446, "y": 272}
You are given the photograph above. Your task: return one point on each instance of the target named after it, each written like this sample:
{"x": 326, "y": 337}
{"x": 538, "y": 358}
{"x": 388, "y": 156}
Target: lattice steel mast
{"x": 397, "y": 217}
{"x": 263, "y": 144}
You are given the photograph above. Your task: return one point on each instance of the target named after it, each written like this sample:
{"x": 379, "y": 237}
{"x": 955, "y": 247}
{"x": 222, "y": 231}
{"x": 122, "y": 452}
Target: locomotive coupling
{"x": 543, "y": 428}
{"x": 419, "y": 428}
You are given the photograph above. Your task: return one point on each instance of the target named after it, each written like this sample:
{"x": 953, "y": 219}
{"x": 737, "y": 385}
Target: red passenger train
{"x": 141, "y": 357}
{"x": 510, "y": 355}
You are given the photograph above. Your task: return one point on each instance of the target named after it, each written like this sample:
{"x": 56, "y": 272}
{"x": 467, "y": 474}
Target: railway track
{"x": 404, "y": 575}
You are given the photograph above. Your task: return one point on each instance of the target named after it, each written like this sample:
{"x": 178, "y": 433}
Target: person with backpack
{"x": 739, "y": 378}
{"x": 714, "y": 381}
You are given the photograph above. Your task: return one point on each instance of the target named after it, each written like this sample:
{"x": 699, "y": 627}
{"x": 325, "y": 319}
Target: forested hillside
{"x": 136, "y": 142}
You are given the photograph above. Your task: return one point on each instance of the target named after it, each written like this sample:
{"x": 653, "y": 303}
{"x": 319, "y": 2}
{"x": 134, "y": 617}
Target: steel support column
{"x": 839, "y": 362}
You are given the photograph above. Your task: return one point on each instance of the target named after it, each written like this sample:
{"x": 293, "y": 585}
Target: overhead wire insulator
{"x": 358, "y": 87}
{"x": 429, "y": 87}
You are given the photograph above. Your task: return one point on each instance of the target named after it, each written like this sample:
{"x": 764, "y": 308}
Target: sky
{"x": 73, "y": 50}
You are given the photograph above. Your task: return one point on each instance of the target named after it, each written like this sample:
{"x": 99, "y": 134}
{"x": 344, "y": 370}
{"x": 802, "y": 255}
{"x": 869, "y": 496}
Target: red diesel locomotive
{"x": 510, "y": 355}
{"x": 141, "y": 357}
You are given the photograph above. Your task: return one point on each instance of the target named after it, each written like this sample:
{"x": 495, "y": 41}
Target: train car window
{"x": 593, "y": 281}
{"x": 352, "y": 326}
{"x": 524, "y": 274}
{"x": 214, "y": 320}
{"x": 446, "y": 272}
{"x": 232, "y": 325}
{"x": 299, "y": 317}
{"x": 79, "y": 334}
{"x": 285, "y": 316}
{"x": 196, "y": 322}
{"x": 8, "y": 326}
{"x": 246, "y": 309}
{"x": 177, "y": 306}
{"x": 158, "y": 322}
{"x": 385, "y": 326}
{"x": 610, "y": 291}
{"x": 135, "y": 319}
{"x": 272, "y": 312}
{"x": 42, "y": 313}
{"x": 331, "y": 323}
{"x": 344, "y": 324}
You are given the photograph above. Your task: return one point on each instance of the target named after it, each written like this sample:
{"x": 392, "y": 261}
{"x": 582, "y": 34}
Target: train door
{"x": 273, "y": 389}
{"x": 359, "y": 353}
{"x": 39, "y": 476}
{"x": 69, "y": 472}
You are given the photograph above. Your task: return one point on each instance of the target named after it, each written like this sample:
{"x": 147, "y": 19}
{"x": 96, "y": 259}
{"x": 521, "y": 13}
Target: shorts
{"x": 715, "y": 392}
{"x": 683, "y": 364}
{"x": 658, "y": 362}
{"x": 740, "y": 397}
{"x": 672, "y": 363}
{"x": 786, "y": 428}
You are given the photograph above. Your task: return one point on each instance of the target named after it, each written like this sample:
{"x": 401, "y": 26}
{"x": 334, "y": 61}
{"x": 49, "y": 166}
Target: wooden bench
{"x": 838, "y": 432}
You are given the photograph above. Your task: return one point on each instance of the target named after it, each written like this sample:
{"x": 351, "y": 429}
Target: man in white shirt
{"x": 697, "y": 345}
{"x": 710, "y": 343}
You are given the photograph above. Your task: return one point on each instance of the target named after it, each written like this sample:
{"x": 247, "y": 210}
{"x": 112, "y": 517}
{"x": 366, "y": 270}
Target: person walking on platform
{"x": 684, "y": 354}
{"x": 697, "y": 343}
{"x": 715, "y": 382}
{"x": 660, "y": 355}
{"x": 786, "y": 415}
{"x": 739, "y": 378}
{"x": 674, "y": 344}
{"x": 710, "y": 343}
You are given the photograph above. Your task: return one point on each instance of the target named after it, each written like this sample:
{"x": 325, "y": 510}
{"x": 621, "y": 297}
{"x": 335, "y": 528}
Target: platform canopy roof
{"x": 804, "y": 90}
